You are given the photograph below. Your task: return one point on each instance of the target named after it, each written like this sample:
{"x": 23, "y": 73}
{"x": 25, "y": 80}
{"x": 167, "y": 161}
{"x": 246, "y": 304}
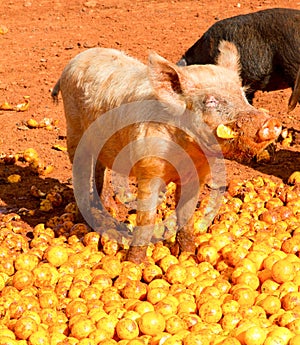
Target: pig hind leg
{"x": 74, "y": 126}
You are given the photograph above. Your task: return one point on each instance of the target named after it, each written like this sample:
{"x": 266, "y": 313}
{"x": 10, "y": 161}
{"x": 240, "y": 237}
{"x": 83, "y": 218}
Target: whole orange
{"x": 283, "y": 270}
{"x": 127, "y": 329}
{"x": 82, "y": 328}
{"x": 151, "y": 323}
{"x": 26, "y": 261}
{"x": 271, "y": 304}
{"x": 143, "y": 307}
{"x": 22, "y": 279}
{"x": 255, "y": 336}
{"x": 291, "y": 300}
{"x": 48, "y": 299}
{"x": 176, "y": 274}
{"x": 108, "y": 324}
{"x": 151, "y": 272}
{"x": 210, "y": 311}
{"x": 24, "y": 327}
{"x": 57, "y": 255}
{"x": 41, "y": 337}
{"x": 174, "y": 324}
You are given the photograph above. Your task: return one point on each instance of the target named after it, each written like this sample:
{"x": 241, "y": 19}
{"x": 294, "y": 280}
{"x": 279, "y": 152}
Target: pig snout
{"x": 270, "y": 130}
{"x": 259, "y": 126}
{"x": 248, "y": 136}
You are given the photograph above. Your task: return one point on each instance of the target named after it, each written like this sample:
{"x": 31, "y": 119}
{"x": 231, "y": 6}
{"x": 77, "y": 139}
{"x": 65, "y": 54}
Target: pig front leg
{"x": 147, "y": 199}
{"x": 186, "y": 198}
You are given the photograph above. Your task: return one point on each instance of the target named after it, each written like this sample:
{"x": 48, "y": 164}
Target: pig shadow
{"x": 282, "y": 164}
{"x": 17, "y": 197}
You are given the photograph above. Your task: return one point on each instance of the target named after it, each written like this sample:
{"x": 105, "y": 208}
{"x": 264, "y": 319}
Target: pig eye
{"x": 211, "y": 102}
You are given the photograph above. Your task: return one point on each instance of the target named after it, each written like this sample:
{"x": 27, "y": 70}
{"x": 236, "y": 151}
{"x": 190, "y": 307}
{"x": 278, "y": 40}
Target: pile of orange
{"x": 65, "y": 284}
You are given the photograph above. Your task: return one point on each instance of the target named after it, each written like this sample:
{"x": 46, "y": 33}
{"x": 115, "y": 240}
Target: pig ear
{"x": 229, "y": 56}
{"x": 167, "y": 80}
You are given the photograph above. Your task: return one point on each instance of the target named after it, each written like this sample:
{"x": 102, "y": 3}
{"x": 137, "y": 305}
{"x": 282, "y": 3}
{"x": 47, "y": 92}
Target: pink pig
{"x": 99, "y": 80}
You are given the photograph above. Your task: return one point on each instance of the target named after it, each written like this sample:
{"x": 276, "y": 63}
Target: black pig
{"x": 268, "y": 42}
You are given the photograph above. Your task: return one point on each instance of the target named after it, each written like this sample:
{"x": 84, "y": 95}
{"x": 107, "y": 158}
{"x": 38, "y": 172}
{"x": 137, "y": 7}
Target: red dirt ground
{"x": 43, "y": 35}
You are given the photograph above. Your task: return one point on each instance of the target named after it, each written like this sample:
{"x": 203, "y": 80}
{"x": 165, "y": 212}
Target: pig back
{"x": 100, "y": 79}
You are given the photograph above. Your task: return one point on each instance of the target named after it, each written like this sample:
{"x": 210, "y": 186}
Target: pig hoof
{"x": 191, "y": 248}
{"x": 136, "y": 254}
{"x": 186, "y": 242}
{"x": 178, "y": 248}
{"x": 122, "y": 228}
{"x": 175, "y": 249}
